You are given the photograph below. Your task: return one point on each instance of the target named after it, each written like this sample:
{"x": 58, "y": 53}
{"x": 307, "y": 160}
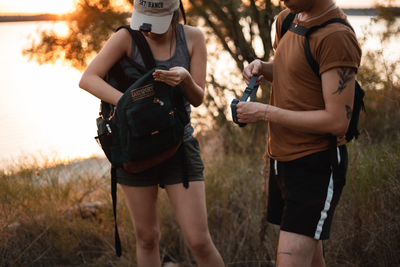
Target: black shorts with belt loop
{"x": 303, "y": 195}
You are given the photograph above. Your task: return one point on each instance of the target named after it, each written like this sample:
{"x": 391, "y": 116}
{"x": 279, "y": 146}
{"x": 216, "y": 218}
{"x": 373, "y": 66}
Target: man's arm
{"x": 338, "y": 92}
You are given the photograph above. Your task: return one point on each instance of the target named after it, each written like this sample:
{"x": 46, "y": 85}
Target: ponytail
{"x": 182, "y": 11}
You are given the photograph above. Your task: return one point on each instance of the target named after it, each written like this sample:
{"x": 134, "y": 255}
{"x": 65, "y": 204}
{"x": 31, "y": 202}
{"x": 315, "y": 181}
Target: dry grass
{"x": 45, "y": 220}
{"x": 366, "y": 230}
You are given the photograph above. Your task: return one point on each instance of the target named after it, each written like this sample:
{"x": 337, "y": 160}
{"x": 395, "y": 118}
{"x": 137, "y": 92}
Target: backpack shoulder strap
{"x": 286, "y": 23}
{"x": 142, "y": 45}
{"x": 335, "y": 20}
{"x": 311, "y": 61}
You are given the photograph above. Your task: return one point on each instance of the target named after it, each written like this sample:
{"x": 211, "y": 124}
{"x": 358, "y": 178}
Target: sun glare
{"x": 61, "y": 28}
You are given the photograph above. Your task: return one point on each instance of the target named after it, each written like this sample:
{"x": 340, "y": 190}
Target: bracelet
{"x": 265, "y": 113}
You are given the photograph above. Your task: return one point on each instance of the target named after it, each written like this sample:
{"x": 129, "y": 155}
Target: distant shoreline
{"x": 54, "y": 17}
{"x": 359, "y": 11}
{"x": 42, "y": 17}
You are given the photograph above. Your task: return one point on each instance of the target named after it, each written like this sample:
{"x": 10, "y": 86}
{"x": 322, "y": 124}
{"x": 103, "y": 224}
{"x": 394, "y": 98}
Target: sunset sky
{"x": 62, "y": 6}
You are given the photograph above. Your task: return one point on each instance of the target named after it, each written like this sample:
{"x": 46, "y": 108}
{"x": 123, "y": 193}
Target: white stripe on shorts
{"x": 328, "y": 201}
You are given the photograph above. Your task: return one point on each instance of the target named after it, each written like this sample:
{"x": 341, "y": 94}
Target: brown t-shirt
{"x": 296, "y": 87}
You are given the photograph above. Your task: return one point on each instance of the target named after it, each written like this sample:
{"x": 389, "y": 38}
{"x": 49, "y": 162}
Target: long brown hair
{"x": 175, "y": 22}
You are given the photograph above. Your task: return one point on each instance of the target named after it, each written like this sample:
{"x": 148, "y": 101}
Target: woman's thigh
{"x": 190, "y": 207}
{"x": 142, "y": 205}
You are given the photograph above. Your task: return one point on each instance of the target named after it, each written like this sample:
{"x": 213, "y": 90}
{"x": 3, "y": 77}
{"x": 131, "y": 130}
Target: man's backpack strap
{"x": 286, "y": 23}
{"x": 303, "y": 31}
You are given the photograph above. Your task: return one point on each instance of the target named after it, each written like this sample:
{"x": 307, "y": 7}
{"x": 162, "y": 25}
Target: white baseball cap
{"x": 153, "y": 15}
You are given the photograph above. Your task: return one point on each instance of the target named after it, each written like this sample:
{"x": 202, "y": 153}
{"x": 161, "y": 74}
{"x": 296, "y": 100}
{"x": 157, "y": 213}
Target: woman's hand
{"x": 173, "y": 76}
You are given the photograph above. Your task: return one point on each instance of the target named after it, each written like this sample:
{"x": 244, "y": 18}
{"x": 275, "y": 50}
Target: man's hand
{"x": 253, "y": 68}
{"x": 250, "y": 112}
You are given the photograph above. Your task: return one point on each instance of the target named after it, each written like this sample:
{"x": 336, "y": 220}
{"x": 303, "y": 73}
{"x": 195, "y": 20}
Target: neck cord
{"x": 298, "y": 15}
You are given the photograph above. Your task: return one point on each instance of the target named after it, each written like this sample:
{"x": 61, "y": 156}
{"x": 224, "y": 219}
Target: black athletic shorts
{"x": 303, "y": 195}
{"x": 170, "y": 171}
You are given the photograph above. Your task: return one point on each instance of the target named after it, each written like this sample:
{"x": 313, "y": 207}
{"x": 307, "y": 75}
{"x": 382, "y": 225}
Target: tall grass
{"x": 45, "y": 219}
{"x": 366, "y": 229}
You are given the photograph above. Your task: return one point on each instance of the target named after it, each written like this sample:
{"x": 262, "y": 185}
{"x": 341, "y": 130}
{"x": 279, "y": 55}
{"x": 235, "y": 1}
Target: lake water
{"x": 42, "y": 109}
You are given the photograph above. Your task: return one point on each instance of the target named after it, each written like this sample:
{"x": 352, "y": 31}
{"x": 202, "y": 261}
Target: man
{"x": 303, "y": 111}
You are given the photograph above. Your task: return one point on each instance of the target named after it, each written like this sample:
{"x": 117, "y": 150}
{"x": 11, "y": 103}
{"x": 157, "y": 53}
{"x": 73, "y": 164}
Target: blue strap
{"x": 251, "y": 90}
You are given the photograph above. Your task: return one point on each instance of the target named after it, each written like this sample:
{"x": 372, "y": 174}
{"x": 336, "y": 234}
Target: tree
{"x": 379, "y": 76}
{"x": 89, "y": 27}
{"x": 388, "y": 14}
{"x": 236, "y": 25}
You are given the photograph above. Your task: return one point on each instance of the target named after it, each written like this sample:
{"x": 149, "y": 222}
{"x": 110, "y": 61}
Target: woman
{"x": 182, "y": 49}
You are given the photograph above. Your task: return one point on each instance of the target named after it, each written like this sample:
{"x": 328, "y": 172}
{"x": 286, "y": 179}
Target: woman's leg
{"x": 190, "y": 207}
{"x": 142, "y": 204}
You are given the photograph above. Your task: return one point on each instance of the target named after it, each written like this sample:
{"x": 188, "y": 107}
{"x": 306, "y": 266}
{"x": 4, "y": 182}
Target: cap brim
{"x": 159, "y": 25}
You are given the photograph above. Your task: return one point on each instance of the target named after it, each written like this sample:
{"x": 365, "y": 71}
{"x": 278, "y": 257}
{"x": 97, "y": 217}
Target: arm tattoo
{"x": 345, "y": 75}
{"x": 349, "y": 112}
{"x": 286, "y": 253}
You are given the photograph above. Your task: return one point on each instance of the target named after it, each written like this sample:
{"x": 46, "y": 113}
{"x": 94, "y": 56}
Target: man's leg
{"x": 318, "y": 259}
{"x": 295, "y": 250}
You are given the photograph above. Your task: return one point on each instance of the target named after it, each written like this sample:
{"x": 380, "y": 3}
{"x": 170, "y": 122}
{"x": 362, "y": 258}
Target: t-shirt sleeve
{"x": 278, "y": 27}
{"x": 339, "y": 49}
{"x": 277, "y": 35}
